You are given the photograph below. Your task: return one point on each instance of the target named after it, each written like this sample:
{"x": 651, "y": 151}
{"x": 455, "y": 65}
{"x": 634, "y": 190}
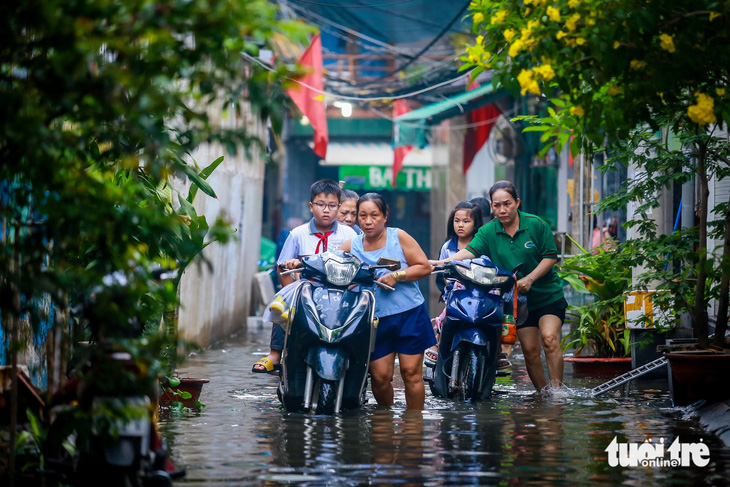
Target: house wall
{"x": 215, "y": 299}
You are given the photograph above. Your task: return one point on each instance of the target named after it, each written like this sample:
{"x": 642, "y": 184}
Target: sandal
{"x": 431, "y": 355}
{"x": 267, "y": 367}
{"x": 503, "y": 362}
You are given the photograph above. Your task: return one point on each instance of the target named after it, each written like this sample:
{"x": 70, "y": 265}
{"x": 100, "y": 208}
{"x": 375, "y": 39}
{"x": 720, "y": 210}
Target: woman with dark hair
{"x": 404, "y": 328}
{"x": 515, "y": 238}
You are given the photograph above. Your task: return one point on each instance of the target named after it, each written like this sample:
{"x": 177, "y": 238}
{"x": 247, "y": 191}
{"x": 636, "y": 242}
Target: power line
{"x": 307, "y": 13}
{"x": 357, "y": 98}
{"x": 353, "y": 6}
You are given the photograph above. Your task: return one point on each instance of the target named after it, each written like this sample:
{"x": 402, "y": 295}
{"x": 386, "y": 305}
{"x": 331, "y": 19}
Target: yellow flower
{"x": 701, "y": 113}
{"x": 667, "y": 42}
{"x": 720, "y": 91}
{"x": 616, "y": 44}
{"x": 509, "y": 34}
{"x": 528, "y": 2}
{"x": 516, "y": 47}
{"x": 480, "y": 39}
{"x": 714, "y": 15}
{"x": 553, "y": 14}
{"x": 637, "y": 65}
{"x": 545, "y": 71}
{"x": 577, "y": 111}
{"x": 527, "y": 11}
{"x": 614, "y": 90}
{"x": 527, "y": 82}
{"x": 570, "y": 24}
{"x": 580, "y": 41}
{"x": 573, "y": 3}
{"x": 499, "y": 17}
{"x": 478, "y": 18}
{"x": 560, "y": 35}
{"x": 591, "y": 21}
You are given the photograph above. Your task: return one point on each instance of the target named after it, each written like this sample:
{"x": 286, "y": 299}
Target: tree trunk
{"x": 722, "y": 305}
{"x": 699, "y": 317}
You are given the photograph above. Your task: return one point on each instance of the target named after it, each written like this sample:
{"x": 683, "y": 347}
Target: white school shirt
{"x": 303, "y": 241}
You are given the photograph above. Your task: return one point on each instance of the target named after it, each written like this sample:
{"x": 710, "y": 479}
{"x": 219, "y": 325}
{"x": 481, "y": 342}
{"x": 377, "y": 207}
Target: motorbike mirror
{"x": 391, "y": 264}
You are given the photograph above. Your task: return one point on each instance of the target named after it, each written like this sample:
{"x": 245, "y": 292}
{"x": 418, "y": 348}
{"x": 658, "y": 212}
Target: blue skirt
{"x": 409, "y": 333}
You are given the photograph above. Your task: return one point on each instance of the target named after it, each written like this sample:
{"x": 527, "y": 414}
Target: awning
{"x": 452, "y": 107}
{"x": 412, "y": 125}
{"x": 371, "y": 154}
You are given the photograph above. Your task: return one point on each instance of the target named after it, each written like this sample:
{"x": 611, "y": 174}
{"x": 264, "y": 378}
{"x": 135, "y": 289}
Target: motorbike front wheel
{"x": 326, "y": 396}
{"x": 471, "y": 371}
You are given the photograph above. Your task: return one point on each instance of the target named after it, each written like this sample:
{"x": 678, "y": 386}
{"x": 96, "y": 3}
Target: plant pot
{"x": 590, "y": 365}
{"x": 187, "y": 384}
{"x": 700, "y": 374}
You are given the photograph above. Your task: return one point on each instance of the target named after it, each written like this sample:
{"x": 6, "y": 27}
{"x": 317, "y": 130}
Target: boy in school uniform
{"x": 320, "y": 234}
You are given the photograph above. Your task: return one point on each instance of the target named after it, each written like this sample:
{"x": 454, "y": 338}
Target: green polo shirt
{"x": 531, "y": 243}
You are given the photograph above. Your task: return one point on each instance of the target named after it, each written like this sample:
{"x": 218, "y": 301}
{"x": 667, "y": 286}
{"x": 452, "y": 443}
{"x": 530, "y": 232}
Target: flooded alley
{"x": 244, "y": 437}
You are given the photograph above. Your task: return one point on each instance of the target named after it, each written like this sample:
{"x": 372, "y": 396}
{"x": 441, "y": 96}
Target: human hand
{"x": 524, "y": 285}
{"x": 387, "y": 279}
{"x": 293, "y": 264}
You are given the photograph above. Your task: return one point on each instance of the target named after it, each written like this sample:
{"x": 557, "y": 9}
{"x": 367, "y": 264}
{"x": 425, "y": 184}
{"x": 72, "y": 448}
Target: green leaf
{"x": 205, "y": 173}
{"x": 197, "y": 180}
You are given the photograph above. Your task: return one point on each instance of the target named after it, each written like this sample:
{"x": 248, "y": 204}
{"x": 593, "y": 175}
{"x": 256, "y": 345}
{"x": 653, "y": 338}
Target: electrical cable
{"x": 370, "y": 98}
{"x": 428, "y": 46}
{"x": 307, "y": 13}
{"x": 397, "y": 2}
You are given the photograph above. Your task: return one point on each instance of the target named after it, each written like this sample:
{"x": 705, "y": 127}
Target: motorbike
{"x": 330, "y": 333}
{"x": 104, "y": 428}
{"x": 471, "y": 333}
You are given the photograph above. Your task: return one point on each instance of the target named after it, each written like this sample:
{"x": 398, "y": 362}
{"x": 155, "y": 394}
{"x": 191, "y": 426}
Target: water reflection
{"x": 244, "y": 438}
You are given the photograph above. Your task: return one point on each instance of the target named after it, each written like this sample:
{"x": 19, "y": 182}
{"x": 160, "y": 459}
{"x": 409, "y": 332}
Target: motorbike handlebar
{"x": 291, "y": 271}
{"x": 385, "y": 286}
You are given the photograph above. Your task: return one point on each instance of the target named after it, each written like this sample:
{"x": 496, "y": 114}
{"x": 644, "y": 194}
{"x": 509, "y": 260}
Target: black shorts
{"x": 556, "y": 308}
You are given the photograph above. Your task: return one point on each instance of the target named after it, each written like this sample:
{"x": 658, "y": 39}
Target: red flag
{"x": 478, "y": 135}
{"x": 308, "y": 95}
{"x": 399, "y": 153}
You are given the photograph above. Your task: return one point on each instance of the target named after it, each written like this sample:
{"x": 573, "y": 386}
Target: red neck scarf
{"x": 322, "y": 240}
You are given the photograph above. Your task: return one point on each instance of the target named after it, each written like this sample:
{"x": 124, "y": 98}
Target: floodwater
{"x": 243, "y": 437}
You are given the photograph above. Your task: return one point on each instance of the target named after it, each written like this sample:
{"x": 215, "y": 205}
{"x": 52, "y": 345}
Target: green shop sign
{"x": 381, "y": 177}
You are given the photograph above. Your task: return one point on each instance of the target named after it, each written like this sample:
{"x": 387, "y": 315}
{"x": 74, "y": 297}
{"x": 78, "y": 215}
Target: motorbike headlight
{"x": 340, "y": 273}
{"x": 486, "y": 276}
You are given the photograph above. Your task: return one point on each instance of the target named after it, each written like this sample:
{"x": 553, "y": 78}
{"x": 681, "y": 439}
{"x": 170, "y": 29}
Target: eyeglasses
{"x": 322, "y": 206}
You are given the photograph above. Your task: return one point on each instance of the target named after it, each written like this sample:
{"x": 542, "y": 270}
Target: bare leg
{"x": 411, "y": 370}
{"x": 550, "y": 327}
{"x": 530, "y": 342}
{"x": 381, "y": 375}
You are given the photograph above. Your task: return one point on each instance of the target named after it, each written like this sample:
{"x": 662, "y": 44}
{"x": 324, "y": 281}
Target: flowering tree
{"x": 612, "y": 66}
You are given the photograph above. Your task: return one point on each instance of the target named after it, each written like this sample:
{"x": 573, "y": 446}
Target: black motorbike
{"x": 330, "y": 333}
{"x": 471, "y": 333}
{"x": 104, "y": 429}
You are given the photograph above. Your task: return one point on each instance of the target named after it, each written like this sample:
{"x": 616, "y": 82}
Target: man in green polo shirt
{"x": 513, "y": 239}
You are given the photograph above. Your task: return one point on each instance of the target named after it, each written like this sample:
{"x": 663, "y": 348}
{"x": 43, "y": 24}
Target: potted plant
{"x": 599, "y": 325}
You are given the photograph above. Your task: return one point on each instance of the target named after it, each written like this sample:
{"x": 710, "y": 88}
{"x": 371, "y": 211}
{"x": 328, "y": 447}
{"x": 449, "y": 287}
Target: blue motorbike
{"x": 471, "y": 333}
{"x": 330, "y": 332}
